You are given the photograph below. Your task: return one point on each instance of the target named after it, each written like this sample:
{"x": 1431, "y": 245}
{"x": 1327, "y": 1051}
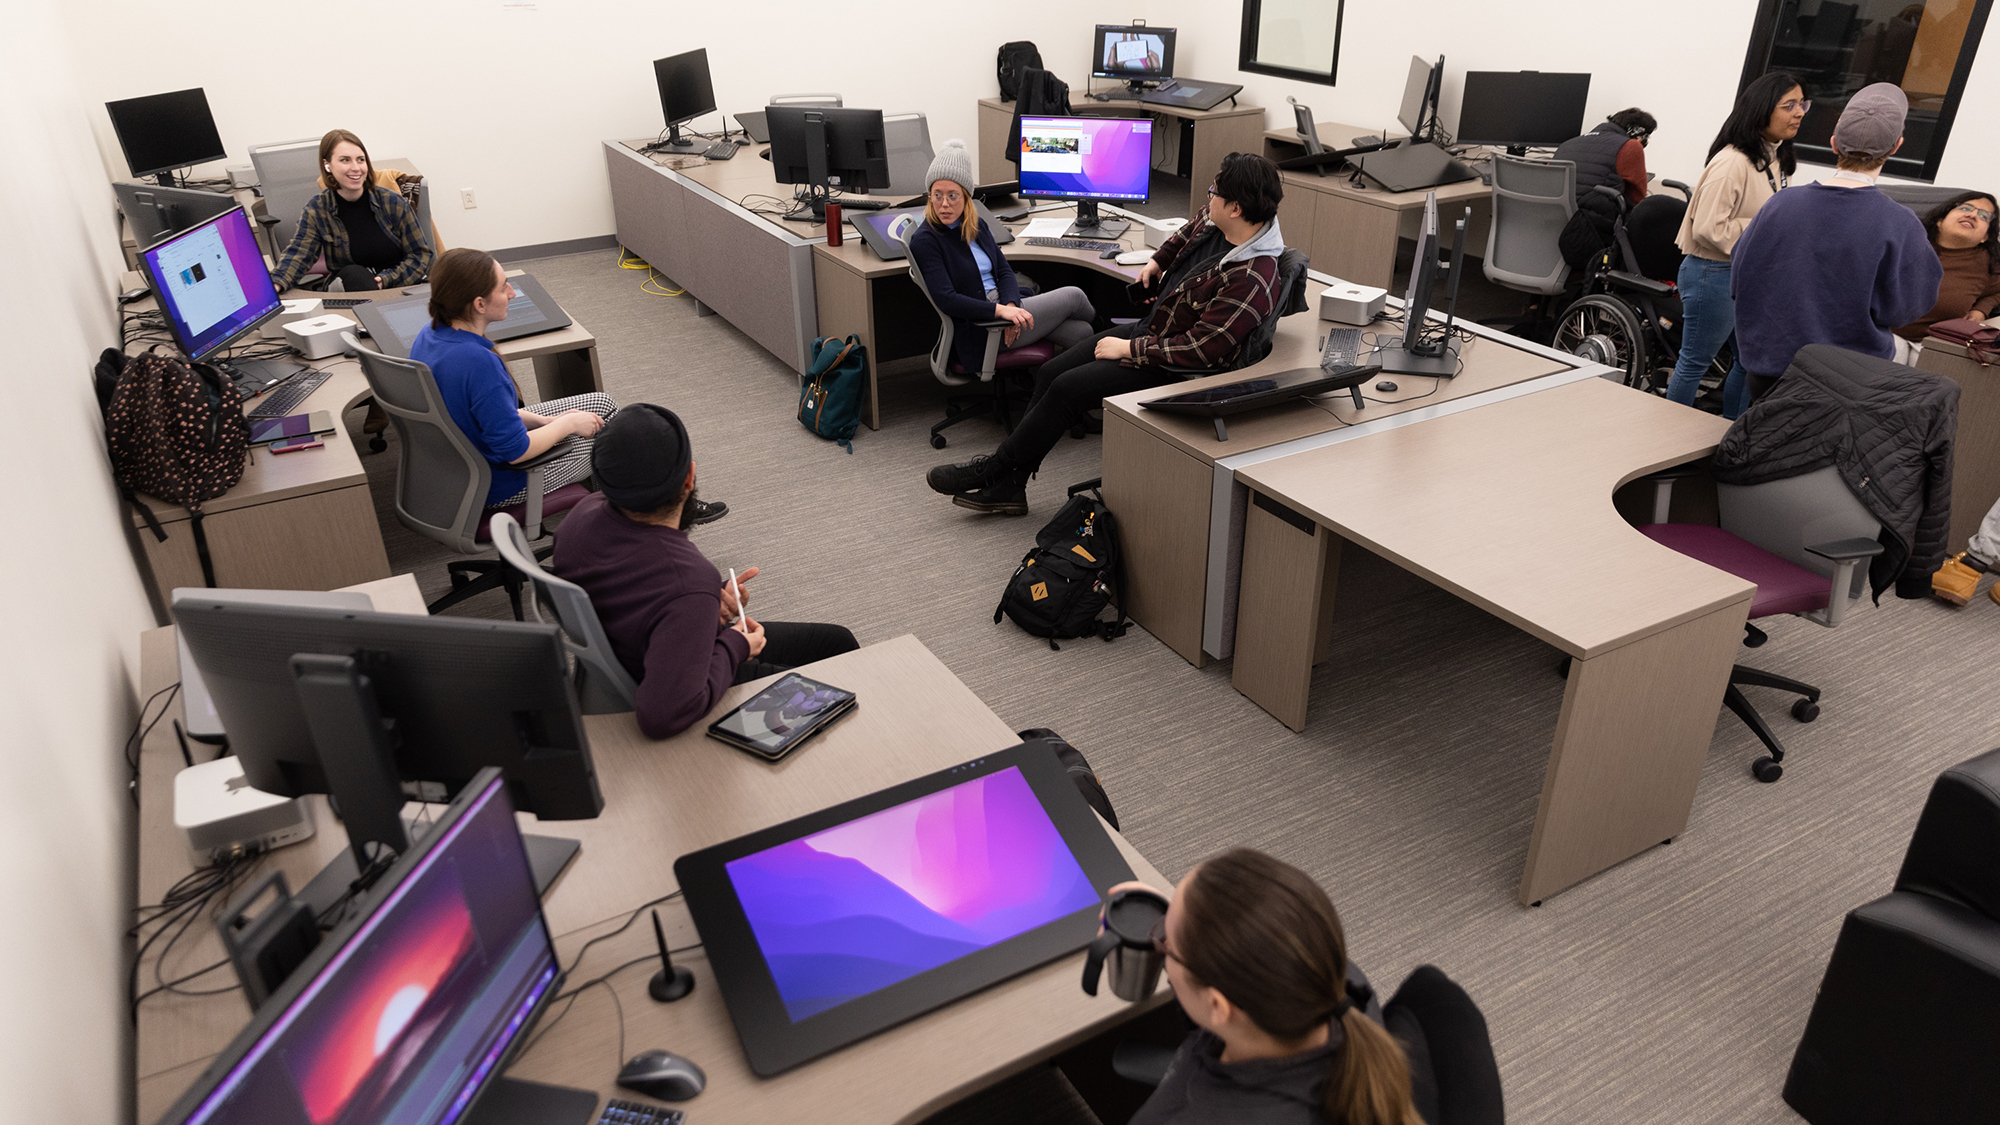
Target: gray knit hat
{"x": 952, "y": 163}
{"x": 1872, "y": 123}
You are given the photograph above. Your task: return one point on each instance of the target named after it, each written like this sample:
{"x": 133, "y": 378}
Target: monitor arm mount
{"x": 358, "y": 754}
{"x": 817, "y": 191}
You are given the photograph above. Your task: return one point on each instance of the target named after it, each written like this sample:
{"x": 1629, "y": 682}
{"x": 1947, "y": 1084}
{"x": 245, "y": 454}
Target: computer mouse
{"x": 1112, "y": 253}
{"x": 663, "y": 1075}
{"x": 1385, "y": 386}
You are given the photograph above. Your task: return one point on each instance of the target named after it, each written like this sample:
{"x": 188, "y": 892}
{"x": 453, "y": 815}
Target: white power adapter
{"x": 220, "y": 815}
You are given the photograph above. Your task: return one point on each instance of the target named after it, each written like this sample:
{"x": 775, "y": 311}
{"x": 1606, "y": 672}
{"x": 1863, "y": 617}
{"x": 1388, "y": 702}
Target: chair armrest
{"x": 547, "y": 455}
{"x": 1611, "y": 192}
{"x": 991, "y": 324}
{"x": 1846, "y": 556}
{"x": 1678, "y": 186}
{"x": 1663, "y": 486}
{"x": 1846, "y": 550}
{"x": 1637, "y": 281}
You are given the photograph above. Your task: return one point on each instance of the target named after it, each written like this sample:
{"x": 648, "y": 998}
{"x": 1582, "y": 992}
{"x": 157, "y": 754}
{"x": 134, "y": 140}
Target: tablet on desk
{"x": 394, "y": 325}
{"x": 827, "y": 929}
{"x": 777, "y": 720}
{"x": 884, "y": 230}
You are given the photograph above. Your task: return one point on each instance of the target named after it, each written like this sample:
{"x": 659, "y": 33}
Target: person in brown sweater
{"x": 1967, "y": 241}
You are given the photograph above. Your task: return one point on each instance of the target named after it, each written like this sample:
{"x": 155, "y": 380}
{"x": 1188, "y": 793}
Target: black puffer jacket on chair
{"x": 1888, "y": 428}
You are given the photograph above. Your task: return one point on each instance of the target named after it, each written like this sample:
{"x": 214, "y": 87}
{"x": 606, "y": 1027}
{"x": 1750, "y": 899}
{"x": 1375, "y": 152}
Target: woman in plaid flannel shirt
{"x": 368, "y": 234}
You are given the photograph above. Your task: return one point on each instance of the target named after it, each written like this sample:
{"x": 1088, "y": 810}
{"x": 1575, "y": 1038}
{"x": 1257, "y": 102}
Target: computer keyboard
{"x": 284, "y": 401}
{"x": 1074, "y": 244}
{"x": 618, "y": 1111}
{"x": 1343, "y": 348}
{"x": 852, "y": 203}
{"x": 721, "y": 150}
{"x": 341, "y": 302}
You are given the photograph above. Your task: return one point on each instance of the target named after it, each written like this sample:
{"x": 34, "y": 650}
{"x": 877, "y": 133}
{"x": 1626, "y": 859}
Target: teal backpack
{"x": 830, "y": 399}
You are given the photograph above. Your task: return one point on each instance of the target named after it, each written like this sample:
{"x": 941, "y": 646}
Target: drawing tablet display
{"x": 884, "y": 230}
{"x": 832, "y": 927}
{"x": 393, "y": 325}
{"x": 1235, "y": 398}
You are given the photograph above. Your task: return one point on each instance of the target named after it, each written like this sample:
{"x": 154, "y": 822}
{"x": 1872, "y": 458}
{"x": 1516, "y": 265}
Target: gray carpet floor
{"x": 1671, "y": 988}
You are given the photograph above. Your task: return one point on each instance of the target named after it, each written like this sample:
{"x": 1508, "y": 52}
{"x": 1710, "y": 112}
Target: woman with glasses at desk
{"x": 1967, "y": 241}
{"x": 368, "y": 234}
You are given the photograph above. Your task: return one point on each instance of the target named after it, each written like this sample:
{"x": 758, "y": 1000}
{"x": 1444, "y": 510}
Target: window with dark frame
{"x": 1298, "y": 39}
{"x": 1836, "y": 47}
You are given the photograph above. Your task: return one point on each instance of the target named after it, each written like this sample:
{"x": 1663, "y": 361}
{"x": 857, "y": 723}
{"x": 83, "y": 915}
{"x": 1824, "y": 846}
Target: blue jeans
{"x": 1708, "y": 318}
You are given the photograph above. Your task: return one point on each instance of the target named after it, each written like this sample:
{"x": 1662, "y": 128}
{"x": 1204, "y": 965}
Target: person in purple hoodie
{"x": 1835, "y": 262}
{"x": 671, "y": 618}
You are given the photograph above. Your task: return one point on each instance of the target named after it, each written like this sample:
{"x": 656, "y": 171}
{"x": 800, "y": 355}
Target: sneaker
{"x": 708, "y": 511}
{"x": 1006, "y": 497}
{"x": 967, "y": 476}
{"x": 1954, "y": 581}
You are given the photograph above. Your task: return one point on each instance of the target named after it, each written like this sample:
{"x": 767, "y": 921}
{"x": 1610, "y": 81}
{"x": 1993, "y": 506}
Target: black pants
{"x": 788, "y": 644}
{"x": 357, "y": 278}
{"x": 1069, "y": 387}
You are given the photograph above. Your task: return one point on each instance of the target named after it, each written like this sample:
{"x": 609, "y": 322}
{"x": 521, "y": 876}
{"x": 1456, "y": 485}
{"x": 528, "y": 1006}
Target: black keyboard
{"x": 1343, "y": 348}
{"x": 618, "y": 1111}
{"x": 284, "y": 401}
{"x": 862, "y": 204}
{"x": 1074, "y": 244}
{"x": 721, "y": 150}
{"x": 342, "y": 302}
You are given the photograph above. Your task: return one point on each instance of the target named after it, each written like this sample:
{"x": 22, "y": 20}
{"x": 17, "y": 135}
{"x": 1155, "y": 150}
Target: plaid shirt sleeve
{"x": 1238, "y": 307}
{"x": 308, "y": 243}
{"x": 1170, "y": 250}
{"x": 401, "y": 221}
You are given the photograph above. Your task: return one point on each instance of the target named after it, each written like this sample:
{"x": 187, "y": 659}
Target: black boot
{"x": 1007, "y": 496}
{"x": 982, "y": 471}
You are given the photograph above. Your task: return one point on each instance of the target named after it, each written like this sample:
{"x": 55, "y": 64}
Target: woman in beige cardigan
{"x": 1750, "y": 161}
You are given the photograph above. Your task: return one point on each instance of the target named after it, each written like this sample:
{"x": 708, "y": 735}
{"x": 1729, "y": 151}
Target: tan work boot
{"x": 1954, "y": 581}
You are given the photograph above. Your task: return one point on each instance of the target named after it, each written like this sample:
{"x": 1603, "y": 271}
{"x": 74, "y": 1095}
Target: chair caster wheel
{"x": 937, "y": 441}
{"x": 1805, "y": 710}
{"x": 377, "y": 444}
{"x": 1766, "y": 770}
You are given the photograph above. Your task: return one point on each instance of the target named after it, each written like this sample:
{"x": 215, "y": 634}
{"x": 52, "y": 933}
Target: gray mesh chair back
{"x": 288, "y": 176}
{"x": 831, "y": 101}
{"x": 908, "y": 139}
{"x": 1786, "y": 516}
{"x": 603, "y": 686}
{"x": 941, "y": 352}
{"x": 441, "y": 479}
{"x": 1532, "y": 202}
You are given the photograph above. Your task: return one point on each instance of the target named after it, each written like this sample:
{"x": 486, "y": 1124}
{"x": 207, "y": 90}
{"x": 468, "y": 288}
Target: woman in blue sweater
{"x": 971, "y": 282}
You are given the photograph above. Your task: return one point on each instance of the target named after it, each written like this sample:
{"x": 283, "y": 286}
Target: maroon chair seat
{"x": 1027, "y": 355}
{"x": 1782, "y": 586}
{"x": 561, "y": 500}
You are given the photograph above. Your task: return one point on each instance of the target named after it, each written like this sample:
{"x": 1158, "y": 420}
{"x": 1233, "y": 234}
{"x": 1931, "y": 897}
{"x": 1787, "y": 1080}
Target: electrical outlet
{"x": 465, "y": 198}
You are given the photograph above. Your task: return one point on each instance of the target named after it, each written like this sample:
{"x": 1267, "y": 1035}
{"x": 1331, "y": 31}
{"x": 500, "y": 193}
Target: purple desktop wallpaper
{"x": 1094, "y": 157}
{"x": 853, "y": 909}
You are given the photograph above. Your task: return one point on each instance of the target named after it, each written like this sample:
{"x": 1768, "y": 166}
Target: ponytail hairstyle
{"x": 1744, "y": 128}
{"x": 461, "y": 276}
{"x": 1263, "y": 934}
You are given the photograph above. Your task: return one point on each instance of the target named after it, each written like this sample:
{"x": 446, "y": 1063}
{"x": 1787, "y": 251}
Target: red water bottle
{"x": 833, "y": 224}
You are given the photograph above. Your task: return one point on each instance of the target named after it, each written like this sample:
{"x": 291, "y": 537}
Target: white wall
{"x": 74, "y": 606}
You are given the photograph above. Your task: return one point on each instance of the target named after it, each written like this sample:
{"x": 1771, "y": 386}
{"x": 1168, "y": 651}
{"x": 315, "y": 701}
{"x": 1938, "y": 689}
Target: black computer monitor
{"x": 165, "y": 132}
{"x": 1427, "y": 348}
{"x": 1419, "y": 110}
{"x": 1088, "y": 159}
{"x": 156, "y": 212}
{"x": 214, "y": 289}
{"x": 1521, "y": 108}
{"x": 1137, "y": 54}
{"x": 825, "y": 149}
{"x": 685, "y": 94}
{"x": 379, "y": 708}
{"x": 410, "y": 1011}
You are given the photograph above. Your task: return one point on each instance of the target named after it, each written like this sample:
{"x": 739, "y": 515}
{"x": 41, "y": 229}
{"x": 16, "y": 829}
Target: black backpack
{"x": 175, "y": 430}
{"x": 1015, "y": 57}
{"x": 1073, "y": 572}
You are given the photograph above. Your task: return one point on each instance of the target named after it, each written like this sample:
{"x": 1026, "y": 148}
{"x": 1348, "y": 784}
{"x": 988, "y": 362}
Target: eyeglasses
{"x": 946, "y": 197}
{"x": 1969, "y": 209}
{"x": 1212, "y": 193}
{"x": 1159, "y": 934}
{"x": 1800, "y": 105}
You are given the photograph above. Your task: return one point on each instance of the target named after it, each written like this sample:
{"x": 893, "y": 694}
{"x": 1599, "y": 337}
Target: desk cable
{"x": 193, "y": 897}
{"x": 141, "y": 727}
{"x": 627, "y": 260}
{"x": 570, "y": 996}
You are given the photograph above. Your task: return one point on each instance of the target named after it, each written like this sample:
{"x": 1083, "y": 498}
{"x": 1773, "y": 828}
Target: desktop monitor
{"x": 823, "y": 148}
{"x": 1521, "y": 108}
{"x": 1088, "y": 159}
{"x": 1418, "y": 112}
{"x": 163, "y": 132}
{"x": 685, "y": 93}
{"x": 156, "y": 212}
{"x": 410, "y": 1011}
{"x": 1427, "y": 348}
{"x": 1137, "y": 54}
{"x": 213, "y": 289}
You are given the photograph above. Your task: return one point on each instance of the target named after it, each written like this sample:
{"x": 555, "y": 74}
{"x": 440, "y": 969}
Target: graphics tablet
{"x": 393, "y": 325}
{"x": 1250, "y": 394}
{"x": 884, "y": 229}
{"x": 827, "y": 929}
{"x": 772, "y": 723}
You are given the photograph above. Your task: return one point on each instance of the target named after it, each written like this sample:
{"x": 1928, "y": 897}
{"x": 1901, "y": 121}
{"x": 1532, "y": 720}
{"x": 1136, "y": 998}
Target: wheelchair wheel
{"x": 1604, "y": 330}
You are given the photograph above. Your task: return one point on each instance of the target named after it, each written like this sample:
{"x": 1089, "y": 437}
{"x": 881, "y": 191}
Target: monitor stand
{"x": 674, "y": 142}
{"x": 255, "y": 376}
{"x": 548, "y": 857}
{"x": 1436, "y": 359}
{"x": 1090, "y": 224}
{"x": 512, "y": 1101}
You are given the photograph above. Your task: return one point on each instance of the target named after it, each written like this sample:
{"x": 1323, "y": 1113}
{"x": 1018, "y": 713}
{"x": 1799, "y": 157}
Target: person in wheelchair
{"x": 1628, "y": 314}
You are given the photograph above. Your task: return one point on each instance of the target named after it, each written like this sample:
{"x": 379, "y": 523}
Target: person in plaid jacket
{"x": 368, "y": 234}
{"x": 1217, "y": 278}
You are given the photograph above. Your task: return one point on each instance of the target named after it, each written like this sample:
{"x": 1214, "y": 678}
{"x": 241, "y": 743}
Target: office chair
{"x": 952, "y": 374}
{"x": 1532, "y": 203}
{"x": 1801, "y": 542}
{"x": 908, "y": 139}
{"x": 1902, "y": 1028}
{"x": 825, "y": 101}
{"x": 442, "y": 480}
{"x": 288, "y": 177}
{"x": 1291, "y": 298}
{"x": 1454, "y": 1078}
{"x": 603, "y": 686}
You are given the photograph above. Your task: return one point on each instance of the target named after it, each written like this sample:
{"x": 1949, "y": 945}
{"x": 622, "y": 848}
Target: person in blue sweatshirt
{"x": 1835, "y": 262}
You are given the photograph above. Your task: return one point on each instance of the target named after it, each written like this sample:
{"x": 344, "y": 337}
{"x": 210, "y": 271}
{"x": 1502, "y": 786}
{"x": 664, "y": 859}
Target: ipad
{"x": 827, "y": 929}
{"x": 263, "y": 431}
{"x": 884, "y": 230}
{"x": 393, "y": 325}
{"x": 775, "y": 721}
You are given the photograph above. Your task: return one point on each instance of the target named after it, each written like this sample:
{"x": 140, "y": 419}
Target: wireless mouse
{"x": 663, "y": 1075}
{"x": 1385, "y": 386}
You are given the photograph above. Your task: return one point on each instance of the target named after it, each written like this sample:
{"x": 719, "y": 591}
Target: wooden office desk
{"x": 1509, "y": 507}
{"x": 306, "y": 520}
{"x": 1173, "y": 484}
{"x": 1351, "y": 232}
{"x": 1216, "y": 133}
{"x": 687, "y": 217}
{"x": 1975, "y": 470}
{"x": 662, "y": 800}
{"x": 857, "y": 292}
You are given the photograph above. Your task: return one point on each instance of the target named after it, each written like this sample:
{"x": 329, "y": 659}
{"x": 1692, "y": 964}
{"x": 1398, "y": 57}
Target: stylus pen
{"x": 737, "y": 591}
